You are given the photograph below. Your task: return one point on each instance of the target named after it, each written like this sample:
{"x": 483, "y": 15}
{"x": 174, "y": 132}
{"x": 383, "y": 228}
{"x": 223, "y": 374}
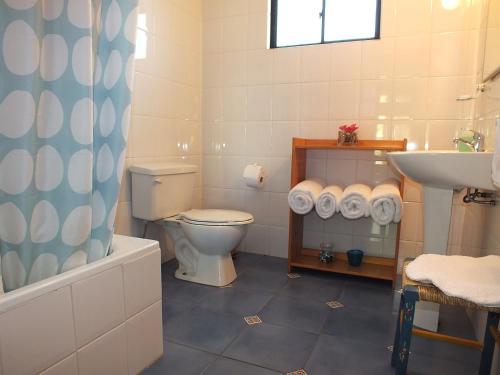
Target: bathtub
{"x": 102, "y": 318}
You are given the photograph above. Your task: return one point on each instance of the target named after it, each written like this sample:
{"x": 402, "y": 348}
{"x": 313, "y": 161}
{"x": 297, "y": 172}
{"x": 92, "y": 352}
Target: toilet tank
{"x": 161, "y": 190}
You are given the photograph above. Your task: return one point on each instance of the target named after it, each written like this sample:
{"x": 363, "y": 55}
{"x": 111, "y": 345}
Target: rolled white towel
{"x": 385, "y": 203}
{"x": 304, "y": 195}
{"x": 328, "y": 202}
{"x": 354, "y": 201}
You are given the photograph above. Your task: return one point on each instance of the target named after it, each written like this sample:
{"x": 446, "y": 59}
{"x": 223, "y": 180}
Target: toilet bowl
{"x": 203, "y": 242}
{"x": 203, "y": 239}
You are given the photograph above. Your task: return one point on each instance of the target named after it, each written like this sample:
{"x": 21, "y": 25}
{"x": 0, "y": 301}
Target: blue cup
{"x": 355, "y": 257}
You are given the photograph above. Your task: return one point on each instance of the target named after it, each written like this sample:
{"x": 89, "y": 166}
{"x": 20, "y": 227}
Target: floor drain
{"x": 251, "y": 320}
{"x": 293, "y": 276}
{"x": 297, "y": 372}
{"x": 334, "y": 304}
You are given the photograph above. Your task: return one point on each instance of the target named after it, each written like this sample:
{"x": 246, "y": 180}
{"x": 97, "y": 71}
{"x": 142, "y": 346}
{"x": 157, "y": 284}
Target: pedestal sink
{"x": 440, "y": 173}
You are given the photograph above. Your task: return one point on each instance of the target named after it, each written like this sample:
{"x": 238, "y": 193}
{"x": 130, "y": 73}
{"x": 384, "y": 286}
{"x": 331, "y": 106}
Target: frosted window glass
{"x": 299, "y": 22}
{"x": 350, "y": 19}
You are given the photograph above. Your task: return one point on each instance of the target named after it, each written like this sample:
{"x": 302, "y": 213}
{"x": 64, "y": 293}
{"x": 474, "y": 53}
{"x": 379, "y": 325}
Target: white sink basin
{"x": 446, "y": 169}
{"x": 441, "y": 172}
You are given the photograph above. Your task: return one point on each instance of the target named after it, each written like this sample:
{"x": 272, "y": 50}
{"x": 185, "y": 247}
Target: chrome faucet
{"x": 477, "y": 143}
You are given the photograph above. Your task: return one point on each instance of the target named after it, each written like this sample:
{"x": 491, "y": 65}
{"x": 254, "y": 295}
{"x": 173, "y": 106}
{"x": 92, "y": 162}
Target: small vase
{"x": 347, "y": 138}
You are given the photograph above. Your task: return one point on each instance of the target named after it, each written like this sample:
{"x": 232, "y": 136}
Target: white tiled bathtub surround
{"x": 75, "y": 323}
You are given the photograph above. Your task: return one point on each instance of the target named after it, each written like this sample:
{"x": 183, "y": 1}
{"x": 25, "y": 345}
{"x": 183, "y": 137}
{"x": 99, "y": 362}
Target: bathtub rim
{"x": 125, "y": 249}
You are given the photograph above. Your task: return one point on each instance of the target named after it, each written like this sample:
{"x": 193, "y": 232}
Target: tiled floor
{"x": 205, "y": 331}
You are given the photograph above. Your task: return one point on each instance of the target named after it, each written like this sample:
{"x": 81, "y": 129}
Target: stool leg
{"x": 488, "y": 345}
{"x": 410, "y": 297}
{"x": 395, "y": 347}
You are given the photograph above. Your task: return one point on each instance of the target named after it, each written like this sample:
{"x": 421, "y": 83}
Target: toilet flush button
{"x": 157, "y": 181}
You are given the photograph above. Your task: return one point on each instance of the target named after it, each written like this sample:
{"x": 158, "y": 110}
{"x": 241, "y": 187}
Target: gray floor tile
{"x": 321, "y": 290}
{"x": 343, "y": 356}
{"x": 272, "y": 264}
{"x": 299, "y": 313}
{"x": 278, "y": 348}
{"x": 264, "y": 281}
{"x": 243, "y": 261}
{"x": 180, "y": 360}
{"x": 224, "y": 366}
{"x": 203, "y": 329}
{"x": 445, "y": 351}
{"x": 424, "y": 365}
{"x": 236, "y": 301}
{"x": 379, "y": 298}
{"x": 361, "y": 324}
{"x": 177, "y": 291}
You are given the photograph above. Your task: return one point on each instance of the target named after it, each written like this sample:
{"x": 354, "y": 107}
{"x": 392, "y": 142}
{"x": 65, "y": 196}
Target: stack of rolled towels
{"x": 383, "y": 203}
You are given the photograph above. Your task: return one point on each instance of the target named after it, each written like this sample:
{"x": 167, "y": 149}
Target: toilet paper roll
{"x": 254, "y": 175}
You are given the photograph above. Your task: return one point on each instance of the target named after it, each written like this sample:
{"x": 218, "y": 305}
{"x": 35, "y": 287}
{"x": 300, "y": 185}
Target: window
{"x": 300, "y": 22}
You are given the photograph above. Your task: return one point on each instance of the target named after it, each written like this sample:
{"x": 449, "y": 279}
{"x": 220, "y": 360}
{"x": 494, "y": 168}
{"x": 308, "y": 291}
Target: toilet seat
{"x": 216, "y": 217}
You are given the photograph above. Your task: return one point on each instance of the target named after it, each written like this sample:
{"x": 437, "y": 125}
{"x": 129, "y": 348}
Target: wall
{"x": 487, "y": 111}
{"x": 166, "y": 108}
{"x": 255, "y": 100}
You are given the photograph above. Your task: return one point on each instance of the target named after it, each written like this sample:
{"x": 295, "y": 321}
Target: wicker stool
{"x": 415, "y": 291}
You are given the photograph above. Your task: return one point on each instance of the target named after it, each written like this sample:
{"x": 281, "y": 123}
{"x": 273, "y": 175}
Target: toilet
{"x": 203, "y": 238}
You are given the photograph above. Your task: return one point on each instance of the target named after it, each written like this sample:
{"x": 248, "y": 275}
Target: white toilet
{"x": 203, "y": 238}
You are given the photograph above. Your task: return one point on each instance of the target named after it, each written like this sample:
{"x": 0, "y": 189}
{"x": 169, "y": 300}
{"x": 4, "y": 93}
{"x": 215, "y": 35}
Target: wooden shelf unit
{"x": 300, "y": 257}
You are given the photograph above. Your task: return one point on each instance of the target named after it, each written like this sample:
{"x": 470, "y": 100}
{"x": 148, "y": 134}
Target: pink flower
{"x": 349, "y": 128}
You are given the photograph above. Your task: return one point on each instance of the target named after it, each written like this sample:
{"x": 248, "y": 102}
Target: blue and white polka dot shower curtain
{"x": 66, "y": 71}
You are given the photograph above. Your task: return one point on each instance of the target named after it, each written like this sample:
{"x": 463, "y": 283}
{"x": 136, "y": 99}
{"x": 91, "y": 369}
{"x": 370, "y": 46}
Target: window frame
{"x": 274, "y": 27}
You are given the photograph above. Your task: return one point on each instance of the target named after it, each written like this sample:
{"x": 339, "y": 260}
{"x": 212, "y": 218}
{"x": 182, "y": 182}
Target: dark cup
{"x": 355, "y": 257}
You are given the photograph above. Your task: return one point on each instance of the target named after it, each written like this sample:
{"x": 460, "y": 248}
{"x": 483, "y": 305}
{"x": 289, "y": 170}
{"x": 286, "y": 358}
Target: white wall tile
{"x": 282, "y": 136}
{"x": 142, "y": 283}
{"x": 68, "y": 366}
{"x": 30, "y": 346}
{"x": 260, "y": 103}
{"x": 234, "y": 68}
{"x": 257, "y": 203}
{"x": 286, "y": 65}
{"x": 278, "y": 242}
{"x": 315, "y": 63}
{"x": 235, "y": 7}
{"x": 346, "y": 61}
{"x": 377, "y": 59}
{"x": 286, "y": 99}
{"x": 258, "y": 138}
{"x": 376, "y": 99}
{"x": 413, "y": 17}
{"x": 98, "y": 305}
{"x": 144, "y": 338}
{"x": 344, "y": 99}
{"x": 257, "y": 35}
{"x": 410, "y": 98}
{"x": 235, "y": 103}
{"x": 259, "y": 67}
{"x": 235, "y": 33}
{"x": 314, "y": 101}
{"x": 105, "y": 355}
{"x": 411, "y": 56}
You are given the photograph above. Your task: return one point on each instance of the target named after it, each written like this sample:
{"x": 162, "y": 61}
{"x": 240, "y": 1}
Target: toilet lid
{"x": 217, "y": 216}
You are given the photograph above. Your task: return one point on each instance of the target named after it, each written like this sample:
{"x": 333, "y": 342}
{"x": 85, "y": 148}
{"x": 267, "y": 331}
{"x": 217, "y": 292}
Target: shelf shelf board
{"x": 325, "y": 144}
{"x": 381, "y": 271}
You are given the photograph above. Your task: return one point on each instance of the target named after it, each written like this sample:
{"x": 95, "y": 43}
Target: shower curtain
{"x": 66, "y": 69}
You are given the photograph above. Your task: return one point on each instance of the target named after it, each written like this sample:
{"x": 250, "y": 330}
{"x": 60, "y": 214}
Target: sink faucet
{"x": 477, "y": 143}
